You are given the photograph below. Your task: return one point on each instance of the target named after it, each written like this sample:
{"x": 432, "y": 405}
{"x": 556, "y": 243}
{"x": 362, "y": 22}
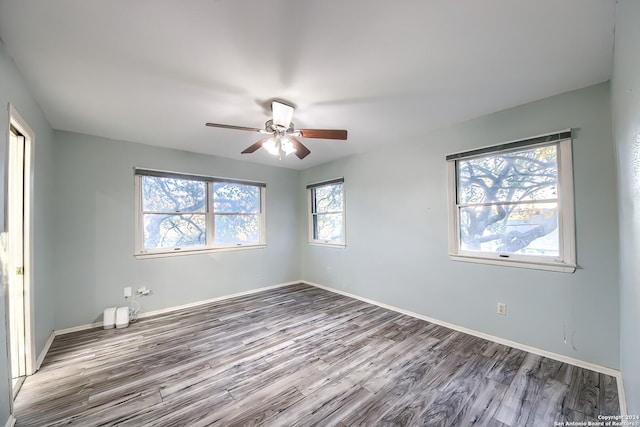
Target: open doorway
{"x": 18, "y": 249}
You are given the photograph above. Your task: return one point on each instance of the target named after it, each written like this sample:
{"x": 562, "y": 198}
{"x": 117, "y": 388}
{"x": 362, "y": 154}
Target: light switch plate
{"x": 502, "y": 309}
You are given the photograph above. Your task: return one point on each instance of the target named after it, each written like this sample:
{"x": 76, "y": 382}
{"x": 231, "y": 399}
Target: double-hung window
{"x": 512, "y": 204}
{"x": 236, "y": 213}
{"x": 178, "y": 213}
{"x": 326, "y": 214}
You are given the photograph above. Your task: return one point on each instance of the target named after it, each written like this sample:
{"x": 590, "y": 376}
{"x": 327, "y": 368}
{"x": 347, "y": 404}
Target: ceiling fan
{"x": 282, "y": 136}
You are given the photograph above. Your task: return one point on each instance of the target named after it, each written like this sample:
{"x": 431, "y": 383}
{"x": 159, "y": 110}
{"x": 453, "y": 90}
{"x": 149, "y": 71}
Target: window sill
{"x": 327, "y": 244}
{"x": 148, "y": 255}
{"x": 505, "y": 262}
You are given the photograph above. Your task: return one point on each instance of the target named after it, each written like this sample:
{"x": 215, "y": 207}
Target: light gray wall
{"x": 626, "y": 113}
{"x": 397, "y": 241}
{"x": 15, "y": 91}
{"x": 94, "y": 213}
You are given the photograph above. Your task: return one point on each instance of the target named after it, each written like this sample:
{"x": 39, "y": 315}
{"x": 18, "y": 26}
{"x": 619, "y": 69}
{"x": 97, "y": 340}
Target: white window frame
{"x": 566, "y": 261}
{"x": 210, "y": 246}
{"x": 321, "y": 242}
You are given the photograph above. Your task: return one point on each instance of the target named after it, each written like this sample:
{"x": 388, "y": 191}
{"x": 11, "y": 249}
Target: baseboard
{"x": 78, "y": 328}
{"x": 559, "y": 357}
{"x": 216, "y": 299}
{"x": 621, "y": 396}
{"x": 45, "y": 350}
{"x": 10, "y": 422}
{"x": 174, "y": 308}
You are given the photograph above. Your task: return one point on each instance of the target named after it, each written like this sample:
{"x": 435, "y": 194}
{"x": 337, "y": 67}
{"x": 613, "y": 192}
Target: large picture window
{"x": 326, "y": 214}
{"x": 513, "y": 204}
{"x": 179, "y": 213}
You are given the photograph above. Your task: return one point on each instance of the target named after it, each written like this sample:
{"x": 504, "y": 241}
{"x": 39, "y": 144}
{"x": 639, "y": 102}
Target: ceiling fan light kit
{"x": 283, "y": 135}
{"x": 278, "y": 145}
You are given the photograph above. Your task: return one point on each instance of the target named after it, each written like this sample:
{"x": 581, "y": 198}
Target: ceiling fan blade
{"x": 282, "y": 114}
{"x": 218, "y": 125}
{"x": 323, "y": 133}
{"x": 255, "y": 146}
{"x": 301, "y": 150}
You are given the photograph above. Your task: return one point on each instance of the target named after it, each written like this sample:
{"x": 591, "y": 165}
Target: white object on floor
{"x": 109, "y": 318}
{"x": 122, "y": 317}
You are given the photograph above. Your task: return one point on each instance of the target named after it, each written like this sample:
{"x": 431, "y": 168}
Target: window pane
{"x": 328, "y": 198}
{"x": 509, "y": 177}
{"x": 235, "y": 198}
{"x": 328, "y": 227}
{"x": 174, "y": 231}
{"x": 230, "y": 229}
{"x": 173, "y": 195}
{"x": 507, "y": 228}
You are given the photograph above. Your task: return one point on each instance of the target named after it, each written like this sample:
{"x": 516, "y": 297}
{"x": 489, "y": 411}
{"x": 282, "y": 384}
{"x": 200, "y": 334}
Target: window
{"x": 236, "y": 211}
{"x": 512, "y": 204}
{"x": 179, "y": 213}
{"x": 326, "y": 216}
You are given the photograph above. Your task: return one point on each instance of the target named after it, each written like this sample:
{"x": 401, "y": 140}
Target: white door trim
{"x": 16, "y": 120}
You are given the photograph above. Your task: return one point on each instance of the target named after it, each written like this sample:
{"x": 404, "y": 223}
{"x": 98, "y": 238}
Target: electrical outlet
{"x": 502, "y": 309}
{"x": 127, "y": 292}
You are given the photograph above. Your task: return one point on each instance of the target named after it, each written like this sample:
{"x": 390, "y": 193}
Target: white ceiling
{"x": 154, "y": 72}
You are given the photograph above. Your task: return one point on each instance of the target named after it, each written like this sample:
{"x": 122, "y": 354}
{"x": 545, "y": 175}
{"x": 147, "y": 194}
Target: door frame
{"x": 16, "y": 120}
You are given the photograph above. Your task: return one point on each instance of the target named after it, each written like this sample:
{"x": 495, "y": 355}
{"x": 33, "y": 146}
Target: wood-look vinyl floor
{"x": 298, "y": 356}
